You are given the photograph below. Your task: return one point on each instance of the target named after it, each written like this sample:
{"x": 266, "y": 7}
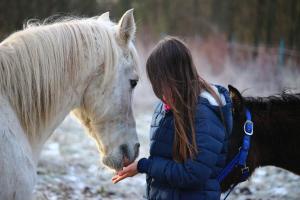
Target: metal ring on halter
{"x": 251, "y": 124}
{"x": 245, "y": 169}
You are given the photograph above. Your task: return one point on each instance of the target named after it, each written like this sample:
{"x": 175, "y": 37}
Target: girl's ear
{"x": 237, "y": 99}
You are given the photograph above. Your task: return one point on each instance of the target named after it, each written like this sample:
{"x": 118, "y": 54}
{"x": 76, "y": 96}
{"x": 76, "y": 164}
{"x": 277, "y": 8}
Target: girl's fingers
{"x": 129, "y": 169}
{"x": 126, "y": 172}
{"x": 116, "y": 179}
{"x": 123, "y": 171}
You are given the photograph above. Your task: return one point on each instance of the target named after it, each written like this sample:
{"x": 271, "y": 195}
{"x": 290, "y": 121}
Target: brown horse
{"x": 276, "y": 132}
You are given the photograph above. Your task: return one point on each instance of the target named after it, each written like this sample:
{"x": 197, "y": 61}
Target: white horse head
{"x": 106, "y": 107}
{"x": 88, "y": 66}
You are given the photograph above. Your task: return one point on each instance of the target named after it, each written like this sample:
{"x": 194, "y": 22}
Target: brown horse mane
{"x": 284, "y": 99}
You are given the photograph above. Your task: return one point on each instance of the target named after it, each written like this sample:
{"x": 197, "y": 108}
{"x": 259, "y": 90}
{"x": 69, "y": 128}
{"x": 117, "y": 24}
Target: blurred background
{"x": 253, "y": 45}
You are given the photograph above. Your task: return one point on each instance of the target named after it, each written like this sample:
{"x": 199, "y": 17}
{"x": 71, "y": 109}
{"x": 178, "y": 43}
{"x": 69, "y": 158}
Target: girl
{"x": 189, "y": 130}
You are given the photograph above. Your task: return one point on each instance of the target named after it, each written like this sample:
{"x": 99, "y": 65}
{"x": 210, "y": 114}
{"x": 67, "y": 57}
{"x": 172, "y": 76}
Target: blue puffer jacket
{"x": 194, "y": 179}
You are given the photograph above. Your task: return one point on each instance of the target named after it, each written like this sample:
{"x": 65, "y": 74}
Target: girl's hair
{"x": 175, "y": 81}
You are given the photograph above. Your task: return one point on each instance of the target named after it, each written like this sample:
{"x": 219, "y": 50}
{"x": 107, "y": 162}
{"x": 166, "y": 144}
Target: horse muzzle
{"x": 125, "y": 156}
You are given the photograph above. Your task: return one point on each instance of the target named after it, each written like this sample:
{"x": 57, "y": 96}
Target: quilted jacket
{"x": 194, "y": 179}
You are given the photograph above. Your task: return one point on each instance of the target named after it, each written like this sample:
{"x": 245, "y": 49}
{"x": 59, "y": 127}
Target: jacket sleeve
{"x": 193, "y": 173}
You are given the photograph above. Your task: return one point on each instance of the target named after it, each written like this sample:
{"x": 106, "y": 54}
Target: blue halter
{"x": 240, "y": 158}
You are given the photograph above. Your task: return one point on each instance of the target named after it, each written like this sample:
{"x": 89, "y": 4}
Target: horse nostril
{"x": 137, "y": 145}
{"x": 124, "y": 150}
{"x": 136, "y": 149}
{"x": 129, "y": 153}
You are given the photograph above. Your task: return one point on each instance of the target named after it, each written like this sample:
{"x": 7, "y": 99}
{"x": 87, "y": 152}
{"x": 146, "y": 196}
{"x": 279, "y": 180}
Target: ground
{"x": 70, "y": 169}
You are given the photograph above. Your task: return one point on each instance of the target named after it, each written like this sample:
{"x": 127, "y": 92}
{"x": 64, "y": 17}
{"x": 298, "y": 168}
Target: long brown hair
{"x": 175, "y": 81}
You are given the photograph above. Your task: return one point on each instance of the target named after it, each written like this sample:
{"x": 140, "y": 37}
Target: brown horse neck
{"x": 276, "y": 132}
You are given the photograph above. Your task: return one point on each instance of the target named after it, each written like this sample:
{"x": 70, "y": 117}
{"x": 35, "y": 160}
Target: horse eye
{"x": 133, "y": 83}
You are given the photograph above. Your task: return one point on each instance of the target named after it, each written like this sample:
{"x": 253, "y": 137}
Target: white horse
{"x": 87, "y": 66}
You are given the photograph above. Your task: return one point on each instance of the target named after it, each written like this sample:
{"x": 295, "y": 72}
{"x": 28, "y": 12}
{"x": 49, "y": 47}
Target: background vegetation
{"x": 251, "y": 22}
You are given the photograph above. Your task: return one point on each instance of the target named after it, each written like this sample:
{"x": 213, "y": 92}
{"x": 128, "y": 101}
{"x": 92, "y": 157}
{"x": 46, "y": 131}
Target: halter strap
{"x": 240, "y": 159}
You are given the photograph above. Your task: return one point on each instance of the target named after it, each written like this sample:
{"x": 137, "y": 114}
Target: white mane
{"x": 39, "y": 62}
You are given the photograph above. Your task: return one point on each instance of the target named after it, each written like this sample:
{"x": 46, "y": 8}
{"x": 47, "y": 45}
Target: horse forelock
{"x": 40, "y": 63}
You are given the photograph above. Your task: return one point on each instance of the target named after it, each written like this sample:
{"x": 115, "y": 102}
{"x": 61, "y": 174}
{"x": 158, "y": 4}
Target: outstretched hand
{"x": 129, "y": 171}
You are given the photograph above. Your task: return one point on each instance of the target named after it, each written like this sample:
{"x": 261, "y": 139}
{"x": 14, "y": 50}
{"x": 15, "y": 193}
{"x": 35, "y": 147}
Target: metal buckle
{"x": 245, "y": 169}
{"x": 251, "y": 124}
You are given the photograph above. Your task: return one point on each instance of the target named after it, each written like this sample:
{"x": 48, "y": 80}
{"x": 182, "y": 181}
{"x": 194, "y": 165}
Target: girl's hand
{"x": 129, "y": 171}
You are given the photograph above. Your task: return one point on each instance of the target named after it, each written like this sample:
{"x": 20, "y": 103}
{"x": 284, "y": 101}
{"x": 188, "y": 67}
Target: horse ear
{"x": 104, "y": 16}
{"x": 127, "y": 27}
{"x": 236, "y": 97}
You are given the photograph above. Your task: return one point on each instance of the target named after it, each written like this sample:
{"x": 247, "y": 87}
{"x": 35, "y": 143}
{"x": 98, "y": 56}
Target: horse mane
{"x": 285, "y": 99}
{"x": 39, "y": 63}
